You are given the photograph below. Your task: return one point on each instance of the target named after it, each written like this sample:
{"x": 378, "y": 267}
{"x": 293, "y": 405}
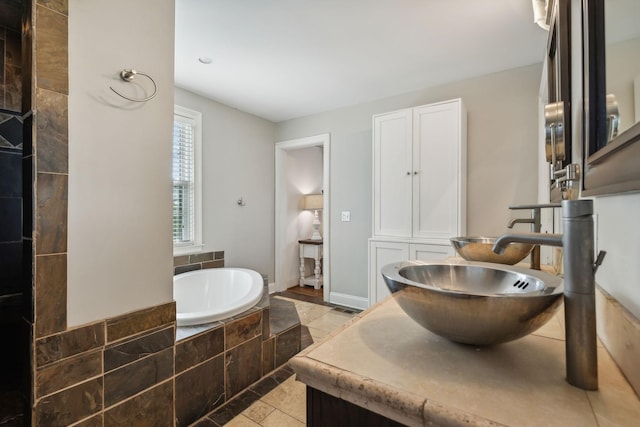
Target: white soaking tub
{"x": 204, "y": 296}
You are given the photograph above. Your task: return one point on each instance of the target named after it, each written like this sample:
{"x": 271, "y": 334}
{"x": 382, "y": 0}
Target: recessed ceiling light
{"x": 205, "y": 60}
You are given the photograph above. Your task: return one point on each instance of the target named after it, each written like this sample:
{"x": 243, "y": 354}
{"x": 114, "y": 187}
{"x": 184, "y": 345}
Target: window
{"x": 187, "y": 217}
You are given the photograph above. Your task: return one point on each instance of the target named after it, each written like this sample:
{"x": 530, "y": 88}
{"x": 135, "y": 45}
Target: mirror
{"x": 622, "y": 41}
{"x": 557, "y": 110}
{"x": 611, "y": 65}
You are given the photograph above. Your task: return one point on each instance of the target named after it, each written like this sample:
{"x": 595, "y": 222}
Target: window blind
{"x": 183, "y": 181}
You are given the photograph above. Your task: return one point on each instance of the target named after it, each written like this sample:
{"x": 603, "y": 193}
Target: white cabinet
{"x": 419, "y": 186}
{"x": 419, "y": 172}
{"x": 382, "y": 253}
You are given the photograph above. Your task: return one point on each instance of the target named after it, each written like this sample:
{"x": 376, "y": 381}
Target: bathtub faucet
{"x": 579, "y": 287}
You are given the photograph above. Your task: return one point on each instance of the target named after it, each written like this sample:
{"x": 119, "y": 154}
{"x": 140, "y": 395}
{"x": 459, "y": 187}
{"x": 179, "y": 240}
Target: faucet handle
{"x": 598, "y": 261}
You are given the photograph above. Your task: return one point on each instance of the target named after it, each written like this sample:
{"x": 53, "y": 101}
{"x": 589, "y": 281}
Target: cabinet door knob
{"x": 415, "y": 172}
{"x": 408, "y": 173}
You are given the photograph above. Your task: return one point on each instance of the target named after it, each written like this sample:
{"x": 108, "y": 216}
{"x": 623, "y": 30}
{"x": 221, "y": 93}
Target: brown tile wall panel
{"x": 61, "y": 6}
{"x": 180, "y": 260}
{"x": 27, "y": 56}
{"x": 266, "y": 322}
{"x": 186, "y": 268}
{"x": 51, "y": 214}
{"x": 95, "y": 421}
{"x": 268, "y": 355}
{"x": 193, "y": 262}
{"x": 52, "y": 131}
{"x": 243, "y": 329}
{"x": 195, "y": 258}
{"x": 69, "y": 343}
{"x": 118, "y": 355}
{"x": 137, "y": 376}
{"x": 11, "y": 73}
{"x": 153, "y": 408}
{"x": 70, "y": 405}
{"x": 243, "y": 367}
{"x": 193, "y": 351}
{"x": 50, "y": 294}
{"x": 288, "y": 345}
{"x": 68, "y": 372}
{"x": 199, "y": 391}
{"x": 139, "y": 321}
{"x": 219, "y": 263}
{"x": 51, "y": 50}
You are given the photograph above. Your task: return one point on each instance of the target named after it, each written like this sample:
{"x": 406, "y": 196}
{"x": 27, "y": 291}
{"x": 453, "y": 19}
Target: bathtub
{"x": 212, "y": 294}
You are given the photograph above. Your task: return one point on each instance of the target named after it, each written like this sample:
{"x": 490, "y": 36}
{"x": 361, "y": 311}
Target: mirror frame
{"x": 558, "y": 62}
{"x": 613, "y": 167}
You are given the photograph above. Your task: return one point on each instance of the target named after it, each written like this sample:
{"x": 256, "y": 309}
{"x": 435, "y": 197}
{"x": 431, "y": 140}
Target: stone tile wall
{"x": 192, "y": 262}
{"x": 10, "y": 64}
{"x": 115, "y": 372}
{"x": 216, "y": 364}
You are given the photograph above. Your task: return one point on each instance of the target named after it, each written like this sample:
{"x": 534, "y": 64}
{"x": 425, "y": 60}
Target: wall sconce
{"x": 314, "y": 202}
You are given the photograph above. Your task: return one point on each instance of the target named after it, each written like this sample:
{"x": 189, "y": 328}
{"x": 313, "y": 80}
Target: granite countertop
{"x": 385, "y": 362}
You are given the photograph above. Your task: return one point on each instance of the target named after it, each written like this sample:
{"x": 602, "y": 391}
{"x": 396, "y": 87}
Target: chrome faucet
{"x": 535, "y": 226}
{"x": 579, "y": 287}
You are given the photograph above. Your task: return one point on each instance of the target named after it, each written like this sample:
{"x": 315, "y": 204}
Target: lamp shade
{"x": 312, "y": 202}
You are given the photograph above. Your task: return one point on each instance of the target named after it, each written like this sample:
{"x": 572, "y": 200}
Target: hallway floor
{"x": 279, "y": 400}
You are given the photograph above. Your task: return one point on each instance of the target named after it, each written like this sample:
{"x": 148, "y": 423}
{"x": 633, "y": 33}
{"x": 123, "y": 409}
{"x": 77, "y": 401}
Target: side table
{"x": 311, "y": 249}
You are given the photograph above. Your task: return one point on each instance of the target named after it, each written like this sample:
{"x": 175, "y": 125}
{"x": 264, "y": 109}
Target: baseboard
{"x": 349, "y": 300}
{"x": 272, "y": 287}
{"x": 619, "y": 331}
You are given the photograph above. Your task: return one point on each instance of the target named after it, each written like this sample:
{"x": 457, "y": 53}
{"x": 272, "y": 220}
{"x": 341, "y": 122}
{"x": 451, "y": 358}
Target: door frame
{"x": 324, "y": 141}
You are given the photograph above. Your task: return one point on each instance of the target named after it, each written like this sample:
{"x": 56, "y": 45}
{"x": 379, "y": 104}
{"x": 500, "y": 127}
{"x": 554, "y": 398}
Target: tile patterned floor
{"x": 279, "y": 400}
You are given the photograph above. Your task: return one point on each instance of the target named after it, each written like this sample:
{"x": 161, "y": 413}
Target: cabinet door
{"x": 437, "y": 183}
{"x": 381, "y": 254}
{"x": 419, "y": 252}
{"x": 392, "y": 146}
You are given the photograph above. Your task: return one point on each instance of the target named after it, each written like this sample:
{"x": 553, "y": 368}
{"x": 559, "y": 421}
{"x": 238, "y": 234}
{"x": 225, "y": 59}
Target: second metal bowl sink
{"x": 472, "y": 302}
{"x": 481, "y": 249}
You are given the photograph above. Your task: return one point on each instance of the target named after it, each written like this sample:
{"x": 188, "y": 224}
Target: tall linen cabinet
{"x": 419, "y": 186}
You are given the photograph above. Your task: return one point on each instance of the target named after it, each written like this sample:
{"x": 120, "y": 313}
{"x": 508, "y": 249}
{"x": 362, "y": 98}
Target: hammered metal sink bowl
{"x": 472, "y": 302}
{"x": 481, "y": 249}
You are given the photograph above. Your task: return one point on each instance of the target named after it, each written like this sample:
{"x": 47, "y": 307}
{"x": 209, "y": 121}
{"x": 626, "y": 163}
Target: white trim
{"x": 323, "y": 141}
{"x": 196, "y": 116}
{"x": 349, "y": 301}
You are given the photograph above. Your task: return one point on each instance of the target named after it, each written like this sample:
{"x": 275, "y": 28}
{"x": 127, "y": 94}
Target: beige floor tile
{"x": 290, "y": 398}
{"x": 280, "y": 419}
{"x": 308, "y": 312}
{"x": 330, "y": 321}
{"x": 317, "y": 334}
{"x": 258, "y": 411}
{"x": 241, "y": 421}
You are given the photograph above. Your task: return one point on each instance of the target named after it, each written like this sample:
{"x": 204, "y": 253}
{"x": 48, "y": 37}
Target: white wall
{"x": 303, "y": 176}
{"x": 502, "y": 160}
{"x": 119, "y": 247}
{"x": 238, "y": 161}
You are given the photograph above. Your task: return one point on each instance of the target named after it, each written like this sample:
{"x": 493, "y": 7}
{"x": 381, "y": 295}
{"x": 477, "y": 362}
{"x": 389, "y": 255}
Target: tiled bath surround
{"x": 192, "y": 262}
{"x": 215, "y": 362}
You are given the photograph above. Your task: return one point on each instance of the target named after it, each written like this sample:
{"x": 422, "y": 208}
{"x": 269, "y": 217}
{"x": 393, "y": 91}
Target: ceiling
{"x": 281, "y": 59}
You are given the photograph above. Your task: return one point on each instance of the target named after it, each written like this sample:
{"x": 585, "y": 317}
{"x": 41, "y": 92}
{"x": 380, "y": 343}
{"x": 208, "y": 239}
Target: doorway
{"x": 287, "y": 196}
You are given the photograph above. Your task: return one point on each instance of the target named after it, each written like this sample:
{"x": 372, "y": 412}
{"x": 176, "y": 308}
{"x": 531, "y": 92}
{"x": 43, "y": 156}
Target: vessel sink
{"x": 473, "y": 302}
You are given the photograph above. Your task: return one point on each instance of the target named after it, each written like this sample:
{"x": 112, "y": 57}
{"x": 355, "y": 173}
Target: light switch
{"x": 346, "y": 216}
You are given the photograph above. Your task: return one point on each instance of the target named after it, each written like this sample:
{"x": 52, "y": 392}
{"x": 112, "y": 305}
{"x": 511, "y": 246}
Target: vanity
{"x": 384, "y": 369}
